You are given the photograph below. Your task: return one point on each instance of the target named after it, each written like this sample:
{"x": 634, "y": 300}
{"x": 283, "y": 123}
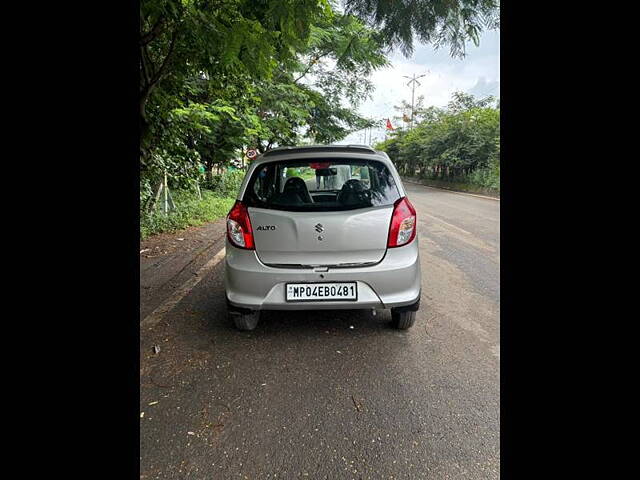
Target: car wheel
{"x": 403, "y": 320}
{"x": 245, "y": 321}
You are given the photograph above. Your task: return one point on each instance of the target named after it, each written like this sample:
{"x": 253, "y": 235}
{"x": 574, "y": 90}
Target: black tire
{"x": 403, "y": 320}
{"x": 245, "y": 321}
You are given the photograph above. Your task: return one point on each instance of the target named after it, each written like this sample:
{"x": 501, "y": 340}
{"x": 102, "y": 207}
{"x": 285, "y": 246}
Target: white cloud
{"x": 477, "y": 73}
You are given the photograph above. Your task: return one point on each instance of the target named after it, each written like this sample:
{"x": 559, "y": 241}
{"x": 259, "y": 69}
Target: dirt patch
{"x": 166, "y": 243}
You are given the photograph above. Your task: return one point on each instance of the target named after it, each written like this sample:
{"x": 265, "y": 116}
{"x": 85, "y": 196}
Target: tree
{"x": 460, "y": 142}
{"x": 330, "y": 121}
{"x": 420, "y": 112}
{"x": 179, "y": 38}
{"x": 462, "y": 101}
{"x": 283, "y": 110}
{"x": 341, "y": 54}
{"x": 439, "y": 22}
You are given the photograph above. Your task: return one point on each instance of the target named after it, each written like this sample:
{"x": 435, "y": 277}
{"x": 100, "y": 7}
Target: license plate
{"x": 308, "y": 292}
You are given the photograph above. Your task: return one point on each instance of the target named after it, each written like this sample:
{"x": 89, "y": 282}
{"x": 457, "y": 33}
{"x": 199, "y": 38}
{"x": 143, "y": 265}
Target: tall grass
{"x": 218, "y": 196}
{"x": 482, "y": 180}
{"x": 488, "y": 178}
{"x": 191, "y": 211}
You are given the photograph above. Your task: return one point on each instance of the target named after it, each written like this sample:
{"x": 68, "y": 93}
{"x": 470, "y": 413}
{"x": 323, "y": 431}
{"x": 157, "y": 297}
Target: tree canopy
{"x": 450, "y": 23}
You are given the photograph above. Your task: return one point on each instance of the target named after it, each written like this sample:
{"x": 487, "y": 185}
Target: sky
{"x": 477, "y": 73}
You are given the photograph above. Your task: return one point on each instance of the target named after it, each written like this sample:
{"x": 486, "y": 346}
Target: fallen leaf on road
{"x": 355, "y": 404}
{"x": 145, "y": 250}
{"x": 156, "y": 349}
{"x": 141, "y": 414}
{"x": 190, "y": 433}
{"x": 180, "y": 239}
{"x": 153, "y": 403}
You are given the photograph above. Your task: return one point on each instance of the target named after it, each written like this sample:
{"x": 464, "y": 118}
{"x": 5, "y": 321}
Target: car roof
{"x": 326, "y": 151}
{"x": 316, "y": 148}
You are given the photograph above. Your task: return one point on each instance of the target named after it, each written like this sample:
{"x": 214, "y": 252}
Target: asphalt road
{"x": 331, "y": 395}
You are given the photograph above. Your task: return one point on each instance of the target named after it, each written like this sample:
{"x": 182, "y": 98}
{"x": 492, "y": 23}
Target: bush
{"x": 227, "y": 184}
{"x": 191, "y": 211}
{"x": 486, "y": 177}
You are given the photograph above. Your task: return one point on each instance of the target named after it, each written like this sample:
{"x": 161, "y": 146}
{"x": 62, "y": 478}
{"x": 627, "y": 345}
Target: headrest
{"x": 294, "y": 184}
{"x": 353, "y": 185}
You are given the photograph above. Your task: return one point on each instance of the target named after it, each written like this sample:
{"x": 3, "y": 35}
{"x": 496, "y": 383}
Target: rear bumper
{"x": 394, "y": 282}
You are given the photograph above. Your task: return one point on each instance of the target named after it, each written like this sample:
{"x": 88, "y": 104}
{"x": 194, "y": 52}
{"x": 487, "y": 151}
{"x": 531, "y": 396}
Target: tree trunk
{"x": 144, "y": 123}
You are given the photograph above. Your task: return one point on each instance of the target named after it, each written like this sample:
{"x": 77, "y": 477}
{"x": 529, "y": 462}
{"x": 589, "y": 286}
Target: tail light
{"x": 403, "y": 224}
{"x": 239, "y": 227}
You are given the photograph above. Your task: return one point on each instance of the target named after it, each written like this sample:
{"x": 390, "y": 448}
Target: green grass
{"x": 191, "y": 211}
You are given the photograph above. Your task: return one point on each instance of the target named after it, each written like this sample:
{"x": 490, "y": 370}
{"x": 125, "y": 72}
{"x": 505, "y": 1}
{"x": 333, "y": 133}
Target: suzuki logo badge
{"x": 319, "y": 228}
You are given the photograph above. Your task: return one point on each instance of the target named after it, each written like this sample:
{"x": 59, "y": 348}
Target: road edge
{"x": 179, "y": 293}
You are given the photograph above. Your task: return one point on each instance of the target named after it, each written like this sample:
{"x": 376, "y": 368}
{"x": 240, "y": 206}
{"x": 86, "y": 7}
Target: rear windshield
{"x": 321, "y": 185}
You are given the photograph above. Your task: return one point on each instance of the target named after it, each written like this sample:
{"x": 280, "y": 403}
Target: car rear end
{"x": 322, "y": 228}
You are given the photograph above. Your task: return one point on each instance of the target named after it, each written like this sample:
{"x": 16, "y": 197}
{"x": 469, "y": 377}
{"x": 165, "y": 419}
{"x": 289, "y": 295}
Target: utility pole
{"x": 364, "y": 136}
{"x": 412, "y": 83}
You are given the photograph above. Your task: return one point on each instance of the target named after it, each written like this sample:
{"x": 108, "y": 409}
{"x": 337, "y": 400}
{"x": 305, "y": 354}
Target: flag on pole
{"x": 389, "y": 126}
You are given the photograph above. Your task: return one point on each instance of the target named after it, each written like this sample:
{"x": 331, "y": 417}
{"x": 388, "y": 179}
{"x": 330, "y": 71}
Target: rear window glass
{"x": 321, "y": 185}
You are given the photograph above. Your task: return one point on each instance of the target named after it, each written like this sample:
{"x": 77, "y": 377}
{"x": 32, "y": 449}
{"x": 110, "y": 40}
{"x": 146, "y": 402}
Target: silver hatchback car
{"x": 322, "y": 227}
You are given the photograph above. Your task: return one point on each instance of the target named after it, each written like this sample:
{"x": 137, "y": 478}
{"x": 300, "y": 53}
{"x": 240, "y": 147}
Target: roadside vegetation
{"x": 192, "y": 209}
{"x": 456, "y": 147}
{"x": 219, "y": 78}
